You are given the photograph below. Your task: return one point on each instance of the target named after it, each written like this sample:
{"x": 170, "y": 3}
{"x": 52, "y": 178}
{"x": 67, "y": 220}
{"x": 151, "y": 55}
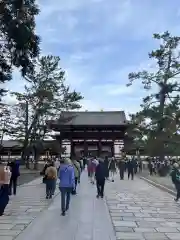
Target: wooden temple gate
{"x": 91, "y": 133}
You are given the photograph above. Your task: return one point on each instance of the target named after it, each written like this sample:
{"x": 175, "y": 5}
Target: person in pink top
{"x": 92, "y": 169}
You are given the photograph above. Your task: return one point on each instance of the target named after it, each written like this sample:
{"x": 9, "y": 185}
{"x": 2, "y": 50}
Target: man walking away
{"x": 175, "y": 176}
{"x": 67, "y": 183}
{"x": 15, "y": 173}
{"x": 130, "y": 167}
{"x": 100, "y": 176}
{"x": 51, "y": 176}
{"x": 121, "y": 166}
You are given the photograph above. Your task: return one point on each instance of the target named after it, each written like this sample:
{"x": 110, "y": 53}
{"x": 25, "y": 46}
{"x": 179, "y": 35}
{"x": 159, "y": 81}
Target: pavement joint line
{"x": 170, "y": 191}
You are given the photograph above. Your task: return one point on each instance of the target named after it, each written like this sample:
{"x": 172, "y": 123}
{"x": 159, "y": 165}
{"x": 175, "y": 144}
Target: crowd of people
{"x": 68, "y": 173}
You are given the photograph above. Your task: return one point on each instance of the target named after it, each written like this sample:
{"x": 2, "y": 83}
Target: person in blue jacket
{"x": 67, "y": 183}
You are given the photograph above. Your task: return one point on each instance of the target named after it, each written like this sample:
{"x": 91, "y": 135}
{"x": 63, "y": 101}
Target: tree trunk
{"x": 161, "y": 126}
{"x": 26, "y": 140}
{"x": 36, "y": 158}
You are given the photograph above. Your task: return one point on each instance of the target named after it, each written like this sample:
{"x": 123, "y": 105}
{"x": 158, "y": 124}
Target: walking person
{"x": 80, "y": 162}
{"x": 51, "y": 177}
{"x": 5, "y": 175}
{"x": 121, "y": 166}
{"x": 15, "y": 173}
{"x": 106, "y": 163}
{"x": 57, "y": 164}
{"x": 77, "y": 172}
{"x": 100, "y": 175}
{"x": 112, "y": 168}
{"x": 92, "y": 168}
{"x": 67, "y": 183}
{"x": 130, "y": 168}
{"x": 175, "y": 176}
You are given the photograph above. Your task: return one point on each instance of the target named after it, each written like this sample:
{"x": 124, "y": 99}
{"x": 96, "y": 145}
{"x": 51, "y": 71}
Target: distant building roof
{"x": 94, "y": 118}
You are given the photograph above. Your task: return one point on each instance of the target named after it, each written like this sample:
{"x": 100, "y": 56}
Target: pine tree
{"x": 19, "y": 44}
{"x": 164, "y": 86}
{"x": 46, "y": 95}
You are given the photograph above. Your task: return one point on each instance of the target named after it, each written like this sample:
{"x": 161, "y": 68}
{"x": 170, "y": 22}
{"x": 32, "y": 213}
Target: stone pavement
{"x": 140, "y": 211}
{"x": 88, "y": 219}
{"x": 23, "y": 209}
{"x": 164, "y": 181}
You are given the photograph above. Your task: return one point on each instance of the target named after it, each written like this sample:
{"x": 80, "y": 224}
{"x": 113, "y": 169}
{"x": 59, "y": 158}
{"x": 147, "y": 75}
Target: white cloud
{"x": 100, "y": 42}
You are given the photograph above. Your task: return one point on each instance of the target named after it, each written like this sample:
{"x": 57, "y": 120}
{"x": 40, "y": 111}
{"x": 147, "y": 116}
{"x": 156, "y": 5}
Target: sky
{"x": 100, "y": 42}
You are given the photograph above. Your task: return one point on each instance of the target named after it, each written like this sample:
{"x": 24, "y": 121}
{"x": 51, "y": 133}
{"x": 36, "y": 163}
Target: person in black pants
{"x": 100, "y": 176}
{"x": 130, "y": 167}
{"x": 121, "y": 166}
{"x": 14, "y": 167}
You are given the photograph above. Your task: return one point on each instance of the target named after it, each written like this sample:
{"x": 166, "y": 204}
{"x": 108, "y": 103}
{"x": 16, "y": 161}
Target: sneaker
{"x": 176, "y": 200}
{"x": 97, "y": 196}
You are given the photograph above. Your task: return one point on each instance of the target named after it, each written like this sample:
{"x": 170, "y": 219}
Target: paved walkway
{"x": 138, "y": 212}
{"x": 23, "y": 209}
{"x": 142, "y": 212}
{"x": 87, "y": 219}
{"x": 165, "y": 181}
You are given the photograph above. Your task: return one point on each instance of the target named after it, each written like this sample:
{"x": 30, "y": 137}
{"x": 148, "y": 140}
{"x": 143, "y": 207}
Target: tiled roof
{"x": 94, "y": 118}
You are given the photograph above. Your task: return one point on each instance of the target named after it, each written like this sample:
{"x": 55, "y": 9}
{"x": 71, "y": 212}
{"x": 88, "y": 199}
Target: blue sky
{"x": 100, "y": 42}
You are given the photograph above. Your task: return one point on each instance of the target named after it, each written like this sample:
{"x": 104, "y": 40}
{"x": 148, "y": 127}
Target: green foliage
{"x": 5, "y": 121}
{"x": 19, "y": 44}
{"x": 45, "y": 96}
{"x": 161, "y": 107}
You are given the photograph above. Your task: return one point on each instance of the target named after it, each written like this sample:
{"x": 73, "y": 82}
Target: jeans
{"x": 54, "y": 187}
{"x": 49, "y": 187}
{"x": 13, "y": 184}
{"x": 65, "y": 198}
{"x": 100, "y": 187}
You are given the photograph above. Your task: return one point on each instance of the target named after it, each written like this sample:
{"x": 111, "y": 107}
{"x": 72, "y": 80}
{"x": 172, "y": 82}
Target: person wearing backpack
{"x": 175, "y": 177}
{"x": 51, "y": 177}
